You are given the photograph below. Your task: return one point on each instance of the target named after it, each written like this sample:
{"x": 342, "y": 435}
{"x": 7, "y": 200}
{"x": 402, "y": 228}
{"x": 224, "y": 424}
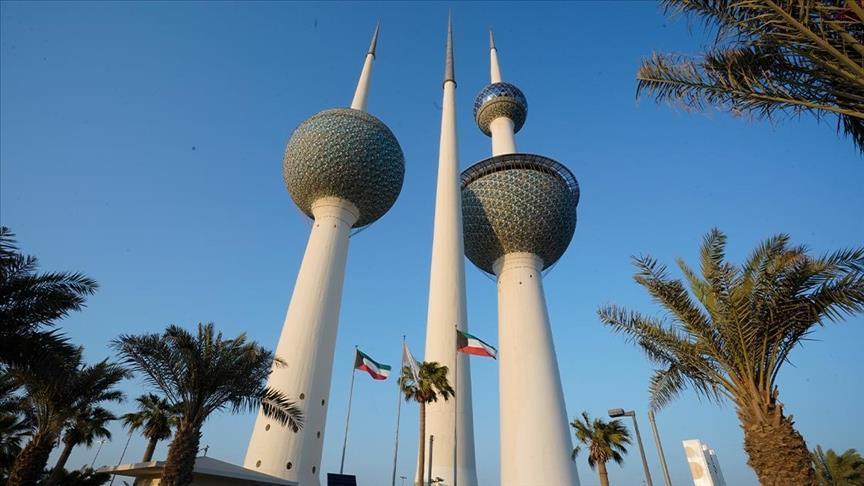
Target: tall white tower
{"x": 519, "y": 215}
{"x": 344, "y": 169}
{"x": 450, "y": 420}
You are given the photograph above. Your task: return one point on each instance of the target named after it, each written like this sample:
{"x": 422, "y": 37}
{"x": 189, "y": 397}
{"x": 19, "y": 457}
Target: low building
{"x": 207, "y": 472}
{"x": 704, "y": 466}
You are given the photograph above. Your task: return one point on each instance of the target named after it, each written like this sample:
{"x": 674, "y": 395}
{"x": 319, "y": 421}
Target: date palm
{"x": 15, "y": 423}
{"x": 155, "y": 417}
{"x": 769, "y": 57}
{"x": 605, "y": 441}
{"x": 84, "y": 427}
{"x": 55, "y": 390}
{"x": 200, "y": 374}
{"x": 430, "y": 383}
{"x": 31, "y": 303}
{"x": 832, "y": 469}
{"x": 732, "y": 341}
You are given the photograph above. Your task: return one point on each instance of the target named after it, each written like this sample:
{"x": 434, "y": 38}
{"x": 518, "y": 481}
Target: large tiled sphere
{"x": 500, "y": 100}
{"x": 518, "y": 203}
{"x": 348, "y": 154}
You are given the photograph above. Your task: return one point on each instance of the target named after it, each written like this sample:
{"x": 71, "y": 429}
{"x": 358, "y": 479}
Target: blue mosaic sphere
{"x": 518, "y": 203}
{"x": 497, "y": 100}
{"x": 348, "y": 154}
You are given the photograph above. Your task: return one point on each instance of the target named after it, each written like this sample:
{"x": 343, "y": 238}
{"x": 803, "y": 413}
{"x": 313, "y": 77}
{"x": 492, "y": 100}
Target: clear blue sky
{"x": 142, "y": 144}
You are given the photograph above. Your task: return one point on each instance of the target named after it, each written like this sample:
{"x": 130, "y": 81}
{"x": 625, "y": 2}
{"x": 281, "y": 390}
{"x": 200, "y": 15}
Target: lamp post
{"x": 101, "y": 443}
{"x": 666, "y": 477}
{"x": 619, "y": 412}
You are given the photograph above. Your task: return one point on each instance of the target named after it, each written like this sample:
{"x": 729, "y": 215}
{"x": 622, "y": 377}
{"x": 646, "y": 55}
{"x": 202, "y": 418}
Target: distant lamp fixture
{"x": 619, "y": 412}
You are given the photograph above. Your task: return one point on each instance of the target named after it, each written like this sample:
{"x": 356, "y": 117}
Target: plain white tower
{"x": 450, "y": 420}
{"x": 308, "y": 337}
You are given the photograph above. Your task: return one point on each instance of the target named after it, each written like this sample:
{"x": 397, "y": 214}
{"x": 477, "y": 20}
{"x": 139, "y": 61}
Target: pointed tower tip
{"x": 374, "y": 42}
{"x": 492, "y": 40}
{"x": 449, "y": 74}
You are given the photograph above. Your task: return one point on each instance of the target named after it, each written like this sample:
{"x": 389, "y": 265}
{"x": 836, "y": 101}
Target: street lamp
{"x": 619, "y": 412}
{"x": 101, "y": 443}
{"x": 666, "y": 477}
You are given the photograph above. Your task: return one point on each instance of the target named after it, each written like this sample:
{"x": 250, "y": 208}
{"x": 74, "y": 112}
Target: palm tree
{"x": 430, "y": 382}
{"x": 15, "y": 423}
{"x": 605, "y": 441}
{"x": 55, "y": 391}
{"x": 769, "y": 57}
{"x": 845, "y": 469}
{"x": 733, "y": 343}
{"x": 84, "y": 427}
{"x": 201, "y": 374}
{"x": 155, "y": 417}
{"x": 30, "y": 302}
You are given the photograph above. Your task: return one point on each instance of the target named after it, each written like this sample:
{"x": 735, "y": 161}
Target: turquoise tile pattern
{"x": 344, "y": 153}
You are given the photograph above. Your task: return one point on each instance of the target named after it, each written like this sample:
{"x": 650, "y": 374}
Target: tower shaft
{"x": 503, "y": 138}
{"x": 307, "y": 344}
{"x": 535, "y": 436}
{"x": 449, "y": 420}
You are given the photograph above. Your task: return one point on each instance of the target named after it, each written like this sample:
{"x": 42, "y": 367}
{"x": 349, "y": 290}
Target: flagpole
{"x": 398, "y": 415}
{"x": 455, "y": 406}
{"x": 348, "y": 416}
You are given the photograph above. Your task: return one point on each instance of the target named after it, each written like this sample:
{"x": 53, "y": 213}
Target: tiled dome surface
{"x": 348, "y": 154}
{"x": 500, "y": 100}
{"x": 518, "y": 203}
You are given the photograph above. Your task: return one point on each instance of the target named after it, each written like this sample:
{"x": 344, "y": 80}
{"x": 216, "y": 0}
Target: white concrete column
{"x": 306, "y": 345}
{"x": 503, "y": 138}
{"x": 535, "y": 432}
{"x": 447, "y": 308}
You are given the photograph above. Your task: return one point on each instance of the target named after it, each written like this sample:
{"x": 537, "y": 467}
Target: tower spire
{"x": 362, "y": 91}
{"x": 449, "y": 74}
{"x": 494, "y": 68}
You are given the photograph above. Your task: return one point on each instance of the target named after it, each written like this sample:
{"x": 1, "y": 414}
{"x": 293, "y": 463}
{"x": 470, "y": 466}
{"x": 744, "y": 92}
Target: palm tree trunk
{"x": 422, "y": 456}
{"x": 604, "y": 476}
{"x": 31, "y": 461}
{"x": 61, "y": 463}
{"x": 181, "y": 455}
{"x": 148, "y": 453}
{"x": 775, "y": 450}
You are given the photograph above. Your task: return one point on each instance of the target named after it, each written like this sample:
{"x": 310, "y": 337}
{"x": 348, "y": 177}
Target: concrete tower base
{"x": 307, "y": 343}
{"x": 535, "y": 432}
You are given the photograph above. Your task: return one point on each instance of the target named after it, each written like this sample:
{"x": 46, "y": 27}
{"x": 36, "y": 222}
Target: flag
{"x": 375, "y": 369}
{"x": 468, "y": 344}
{"x": 408, "y": 360}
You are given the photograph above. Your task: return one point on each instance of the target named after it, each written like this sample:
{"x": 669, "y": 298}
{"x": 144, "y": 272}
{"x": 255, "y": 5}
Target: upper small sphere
{"x": 348, "y": 154}
{"x": 497, "y": 100}
{"x": 518, "y": 203}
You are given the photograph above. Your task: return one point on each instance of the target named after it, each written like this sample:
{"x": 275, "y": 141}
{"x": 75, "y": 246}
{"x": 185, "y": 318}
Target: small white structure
{"x": 207, "y": 472}
{"x": 704, "y": 466}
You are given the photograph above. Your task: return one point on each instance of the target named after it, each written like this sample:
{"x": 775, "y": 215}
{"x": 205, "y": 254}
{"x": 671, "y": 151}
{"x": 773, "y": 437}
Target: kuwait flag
{"x": 468, "y": 344}
{"x": 375, "y": 369}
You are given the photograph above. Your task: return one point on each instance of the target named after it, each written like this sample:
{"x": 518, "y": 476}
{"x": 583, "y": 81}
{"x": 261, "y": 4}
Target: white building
{"x": 704, "y": 466}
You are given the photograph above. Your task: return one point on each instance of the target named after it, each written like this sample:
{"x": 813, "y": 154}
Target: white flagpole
{"x": 398, "y": 412}
{"x": 455, "y": 406}
{"x": 348, "y": 416}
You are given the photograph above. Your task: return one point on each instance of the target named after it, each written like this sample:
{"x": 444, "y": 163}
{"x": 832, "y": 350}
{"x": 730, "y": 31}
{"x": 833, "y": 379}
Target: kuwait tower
{"x": 451, "y": 420}
{"x": 343, "y": 168}
{"x": 519, "y": 215}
